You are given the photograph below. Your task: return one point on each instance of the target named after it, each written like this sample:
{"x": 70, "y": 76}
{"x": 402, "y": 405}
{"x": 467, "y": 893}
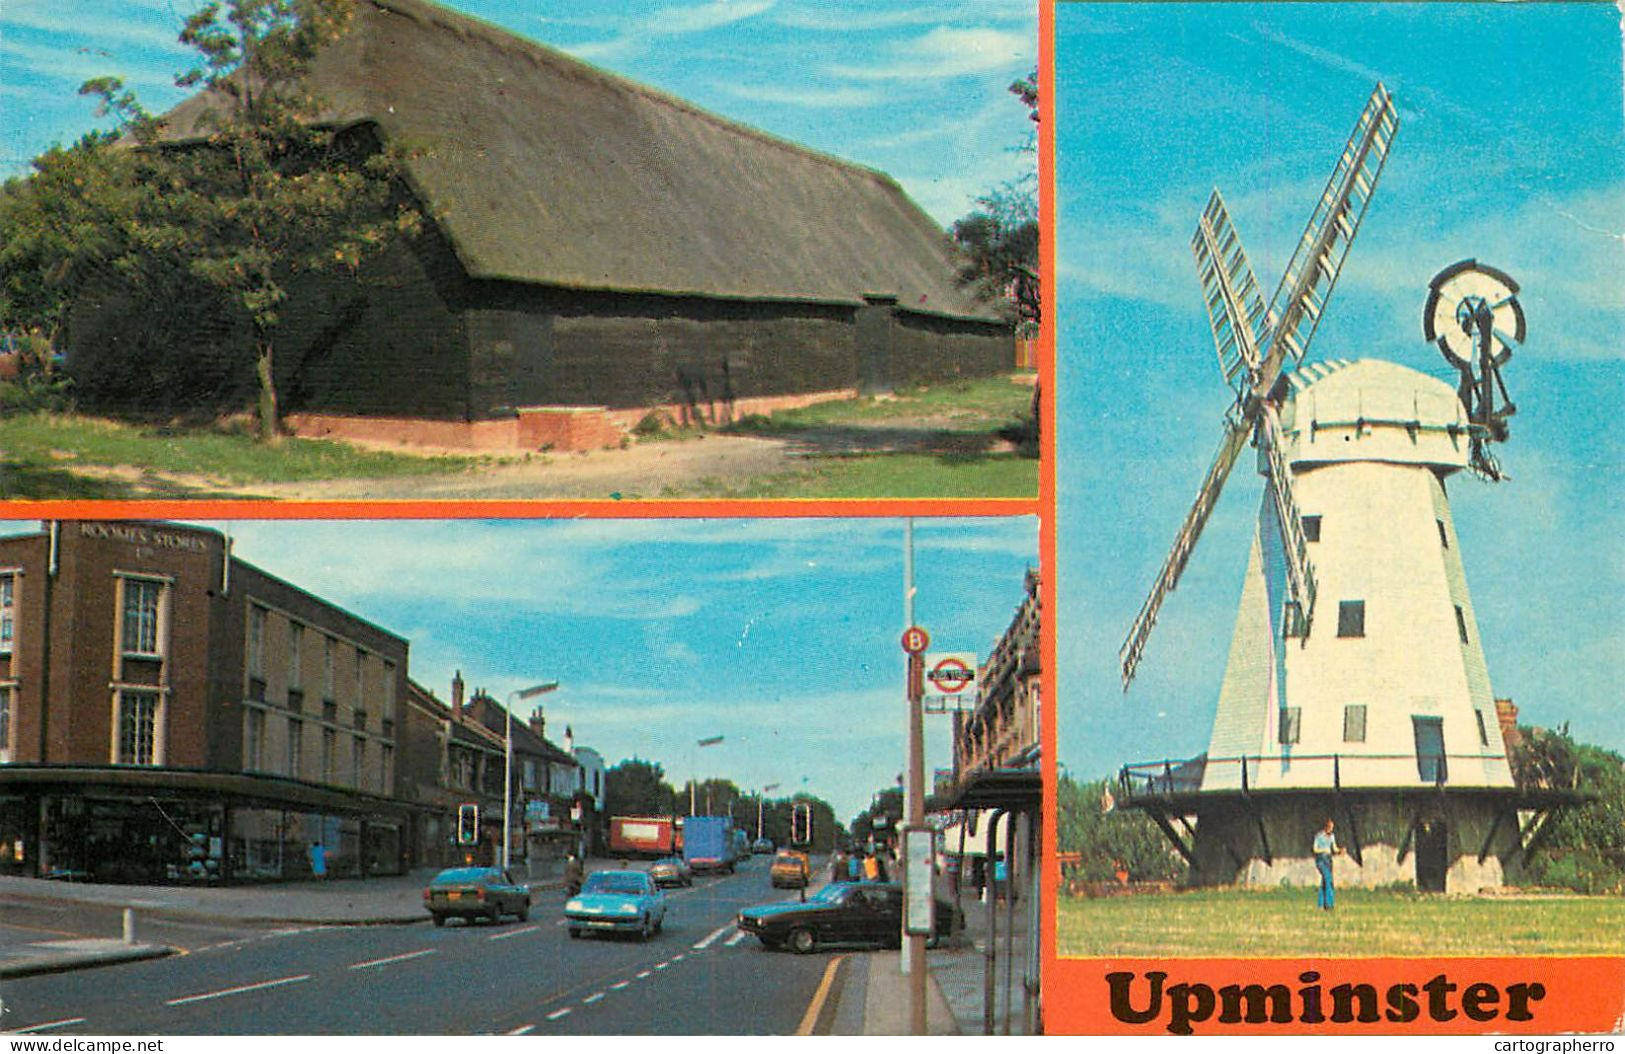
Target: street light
{"x": 708, "y": 741}
{"x": 759, "y": 797}
{"x": 507, "y": 764}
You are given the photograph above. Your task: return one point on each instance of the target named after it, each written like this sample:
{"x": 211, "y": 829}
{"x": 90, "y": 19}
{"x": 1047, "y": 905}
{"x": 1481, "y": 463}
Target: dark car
{"x": 762, "y": 846}
{"x": 841, "y": 913}
{"x": 476, "y": 893}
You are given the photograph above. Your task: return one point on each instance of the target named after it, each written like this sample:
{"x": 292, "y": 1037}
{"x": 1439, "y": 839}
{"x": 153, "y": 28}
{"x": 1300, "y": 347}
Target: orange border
{"x": 554, "y": 509}
{"x": 1583, "y": 994}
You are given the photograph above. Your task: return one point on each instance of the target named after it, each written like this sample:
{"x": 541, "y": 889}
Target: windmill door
{"x": 1432, "y": 855}
{"x": 1430, "y": 764}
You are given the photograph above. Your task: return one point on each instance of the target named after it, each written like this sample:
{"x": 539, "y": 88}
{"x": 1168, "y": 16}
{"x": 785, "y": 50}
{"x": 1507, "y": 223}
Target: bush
{"x": 36, "y": 393}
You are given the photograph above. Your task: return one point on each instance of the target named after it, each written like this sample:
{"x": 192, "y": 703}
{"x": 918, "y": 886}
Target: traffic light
{"x": 468, "y": 823}
{"x": 801, "y": 824}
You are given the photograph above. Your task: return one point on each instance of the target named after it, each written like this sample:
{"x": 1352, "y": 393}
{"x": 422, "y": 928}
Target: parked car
{"x": 475, "y": 893}
{"x": 790, "y": 870}
{"x": 617, "y": 902}
{"x": 671, "y": 871}
{"x": 762, "y": 846}
{"x": 842, "y": 913}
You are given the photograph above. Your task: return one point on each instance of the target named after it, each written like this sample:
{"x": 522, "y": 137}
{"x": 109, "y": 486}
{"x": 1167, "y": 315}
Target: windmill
{"x": 1378, "y": 710}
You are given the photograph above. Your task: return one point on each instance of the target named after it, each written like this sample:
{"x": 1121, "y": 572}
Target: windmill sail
{"x": 1300, "y": 573}
{"x": 1300, "y": 299}
{"x": 1235, "y": 437}
{"x": 1236, "y": 311}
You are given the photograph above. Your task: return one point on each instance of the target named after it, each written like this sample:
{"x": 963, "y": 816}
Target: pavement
{"x": 872, "y": 999}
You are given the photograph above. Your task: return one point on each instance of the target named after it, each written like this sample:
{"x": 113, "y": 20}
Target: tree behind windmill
{"x": 274, "y": 193}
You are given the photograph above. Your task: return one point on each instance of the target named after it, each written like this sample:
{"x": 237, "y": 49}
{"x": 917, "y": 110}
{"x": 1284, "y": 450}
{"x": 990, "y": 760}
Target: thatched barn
{"x": 595, "y": 248}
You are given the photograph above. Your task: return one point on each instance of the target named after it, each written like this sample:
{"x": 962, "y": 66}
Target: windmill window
{"x": 1444, "y": 536}
{"x": 1483, "y": 729}
{"x": 1291, "y": 620}
{"x": 1311, "y": 528}
{"x": 1354, "y": 723}
{"x": 1291, "y": 722}
{"x": 1351, "y": 618}
{"x": 1461, "y": 623}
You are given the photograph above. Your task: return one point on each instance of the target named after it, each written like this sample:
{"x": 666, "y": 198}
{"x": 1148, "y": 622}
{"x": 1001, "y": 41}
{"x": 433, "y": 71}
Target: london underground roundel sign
{"x": 916, "y": 640}
{"x": 950, "y": 675}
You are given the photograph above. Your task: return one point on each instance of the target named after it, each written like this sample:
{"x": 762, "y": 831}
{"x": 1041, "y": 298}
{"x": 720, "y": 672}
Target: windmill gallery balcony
{"x": 1174, "y": 778}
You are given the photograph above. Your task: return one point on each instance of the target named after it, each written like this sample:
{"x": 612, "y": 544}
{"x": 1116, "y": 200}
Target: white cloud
{"x": 813, "y": 98}
{"x": 947, "y": 52}
{"x": 637, "y": 36}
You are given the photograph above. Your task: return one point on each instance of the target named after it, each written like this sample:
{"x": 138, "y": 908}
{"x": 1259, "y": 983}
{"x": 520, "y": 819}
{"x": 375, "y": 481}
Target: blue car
{"x": 617, "y": 902}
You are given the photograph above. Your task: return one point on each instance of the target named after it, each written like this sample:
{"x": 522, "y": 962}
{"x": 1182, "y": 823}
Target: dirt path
{"x": 644, "y": 470}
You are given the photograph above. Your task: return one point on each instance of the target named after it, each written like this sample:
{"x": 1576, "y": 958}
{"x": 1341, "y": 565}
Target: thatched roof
{"x": 541, "y": 168}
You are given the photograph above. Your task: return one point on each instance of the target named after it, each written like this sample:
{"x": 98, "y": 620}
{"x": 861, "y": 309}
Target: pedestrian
{"x": 573, "y": 873}
{"x": 837, "y": 866}
{"x": 318, "y": 860}
{"x": 1325, "y": 848}
{"x": 854, "y": 866}
{"x": 871, "y": 869}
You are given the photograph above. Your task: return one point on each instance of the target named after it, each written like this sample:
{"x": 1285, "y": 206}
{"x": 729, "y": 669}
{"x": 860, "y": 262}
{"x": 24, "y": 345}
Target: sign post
{"x": 915, "y": 641}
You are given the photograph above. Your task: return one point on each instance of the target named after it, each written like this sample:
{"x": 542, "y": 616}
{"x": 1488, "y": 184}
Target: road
{"x": 700, "y": 975}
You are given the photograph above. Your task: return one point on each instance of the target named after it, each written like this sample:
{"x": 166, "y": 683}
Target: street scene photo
{"x": 459, "y": 777}
{"x": 1290, "y": 730}
{"x": 408, "y": 249}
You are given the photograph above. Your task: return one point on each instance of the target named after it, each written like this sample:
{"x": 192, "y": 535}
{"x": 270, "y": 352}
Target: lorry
{"x": 650, "y": 836}
{"x": 708, "y": 843}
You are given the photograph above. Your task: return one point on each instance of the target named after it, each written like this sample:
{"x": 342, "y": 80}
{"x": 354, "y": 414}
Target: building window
{"x": 1444, "y": 536}
{"x": 1461, "y": 623}
{"x": 1483, "y": 729}
{"x": 1354, "y": 723}
{"x": 296, "y": 745}
{"x": 1430, "y": 760}
{"x": 329, "y": 648}
{"x": 8, "y": 610}
{"x": 329, "y": 743}
{"x": 137, "y": 728}
{"x": 5, "y": 722}
{"x": 389, "y": 689}
{"x": 358, "y": 761}
{"x": 142, "y": 598}
{"x": 360, "y": 677}
{"x": 296, "y": 656}
{"x": 253, "y": 740}
{"x": 1291, "y": 720}
{"x": 387, "y": 762}
{"x": 256, "y": 641}
{"x": 1351, "y": 618}
{"x": 1311, "y": 528}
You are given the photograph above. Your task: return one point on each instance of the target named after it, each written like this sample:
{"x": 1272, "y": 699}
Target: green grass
{"x": 885, "y": 476}
{"x": 40, "y": 451}
{"x": 1285, "y": 922}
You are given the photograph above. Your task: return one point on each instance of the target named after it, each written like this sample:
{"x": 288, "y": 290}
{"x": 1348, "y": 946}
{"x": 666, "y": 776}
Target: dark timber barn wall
{"x": 589, "y": 242}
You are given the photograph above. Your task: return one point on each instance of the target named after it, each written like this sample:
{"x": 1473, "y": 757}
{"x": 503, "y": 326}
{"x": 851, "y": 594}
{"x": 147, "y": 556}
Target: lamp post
{"x": 759, "y": 797}
{"x": 708, "y": 741}
{"x": 507, "y": 763}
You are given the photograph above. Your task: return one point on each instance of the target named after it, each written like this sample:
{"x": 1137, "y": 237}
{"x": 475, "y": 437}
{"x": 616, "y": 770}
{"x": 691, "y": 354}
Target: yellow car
{"x": 790, "y": 870}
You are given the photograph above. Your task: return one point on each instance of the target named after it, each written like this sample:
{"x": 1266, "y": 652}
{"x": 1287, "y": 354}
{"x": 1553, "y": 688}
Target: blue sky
{"x": 916, "y": 88}
{"x": 779, "y": 634}
{"x": 1510, "y": 149}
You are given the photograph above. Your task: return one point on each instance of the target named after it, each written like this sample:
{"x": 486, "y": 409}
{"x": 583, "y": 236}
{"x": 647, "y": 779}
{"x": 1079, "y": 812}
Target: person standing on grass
{"x": 1325, "y": 848}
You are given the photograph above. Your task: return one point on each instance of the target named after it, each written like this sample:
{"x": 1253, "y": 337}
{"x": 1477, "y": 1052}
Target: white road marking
{"x": 712, "y": 937}
{"x": 392, "y": 959}
{"x": 618, "y": 985}
{"x": 49, "y": 1024}
{"x": 735, "y": 939}
{"x": 559, "y": 923}
{"x": 662, "y": 966}
{"x": 234, "y": 991}
{"x": 591, "y": 999}
{"x": 555, "y": 1015}
{"x": 521, "y": 1030}
{"x": 504, "y": 935}
{"x": 679, "y": 957}
{"x": 644, "y": 973}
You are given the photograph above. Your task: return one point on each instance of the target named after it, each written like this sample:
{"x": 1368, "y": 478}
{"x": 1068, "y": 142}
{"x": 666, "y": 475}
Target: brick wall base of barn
{"x": 567, "y": 429}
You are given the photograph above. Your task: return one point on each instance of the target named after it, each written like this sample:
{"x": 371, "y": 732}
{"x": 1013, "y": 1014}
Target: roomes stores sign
{"x": 135, "y": 534}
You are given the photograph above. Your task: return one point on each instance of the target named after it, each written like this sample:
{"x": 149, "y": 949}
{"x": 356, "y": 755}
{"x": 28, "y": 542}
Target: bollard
{"x": 129, "y": 925}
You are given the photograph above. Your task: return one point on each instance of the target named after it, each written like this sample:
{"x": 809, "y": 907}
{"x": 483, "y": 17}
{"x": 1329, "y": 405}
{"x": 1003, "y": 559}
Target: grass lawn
{"x": 1285, "y": 922}
{"x": 884, "y": 476}
{"x": 39, "y": 453}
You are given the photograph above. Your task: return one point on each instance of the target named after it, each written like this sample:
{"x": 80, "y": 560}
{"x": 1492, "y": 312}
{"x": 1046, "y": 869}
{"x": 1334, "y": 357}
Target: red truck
{"x": 643, "y": 836}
